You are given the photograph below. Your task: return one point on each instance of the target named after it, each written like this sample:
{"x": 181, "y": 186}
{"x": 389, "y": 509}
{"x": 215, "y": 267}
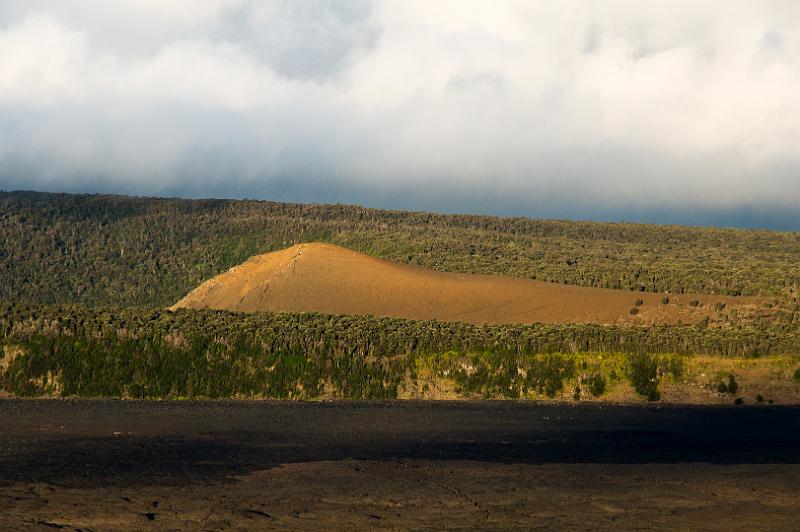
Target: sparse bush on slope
{"x": 646, "y": 370}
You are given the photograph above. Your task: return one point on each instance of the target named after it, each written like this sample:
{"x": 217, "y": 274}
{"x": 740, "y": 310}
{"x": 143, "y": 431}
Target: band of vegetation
{"x": 141, "y": 353}
{"x": 117, "y": 250}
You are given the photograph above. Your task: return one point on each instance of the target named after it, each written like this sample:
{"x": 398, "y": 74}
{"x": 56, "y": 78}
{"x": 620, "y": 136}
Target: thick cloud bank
{"x": 664, "y": 111}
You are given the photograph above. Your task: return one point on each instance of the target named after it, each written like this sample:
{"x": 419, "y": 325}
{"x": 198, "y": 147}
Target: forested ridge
{"x": 122, "y": 251}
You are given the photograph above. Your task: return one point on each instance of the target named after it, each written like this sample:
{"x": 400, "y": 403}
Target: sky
{"x": 669, "y": 112}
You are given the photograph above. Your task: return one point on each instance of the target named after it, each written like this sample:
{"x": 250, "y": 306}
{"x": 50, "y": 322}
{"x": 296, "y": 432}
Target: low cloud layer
{"x": 670, "y": 112}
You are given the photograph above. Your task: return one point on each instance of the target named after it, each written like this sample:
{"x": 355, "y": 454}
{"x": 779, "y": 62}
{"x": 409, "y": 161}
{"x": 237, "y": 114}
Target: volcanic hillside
{"x": 331, "y": 279}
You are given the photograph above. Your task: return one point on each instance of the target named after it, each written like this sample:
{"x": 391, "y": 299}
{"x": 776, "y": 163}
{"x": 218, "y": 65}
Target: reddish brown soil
{"x": 330, "y": 279}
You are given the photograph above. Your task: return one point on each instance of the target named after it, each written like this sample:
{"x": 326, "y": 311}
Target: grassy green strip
{"x": 77, "y": 351}
{"x": 142, "y": 368}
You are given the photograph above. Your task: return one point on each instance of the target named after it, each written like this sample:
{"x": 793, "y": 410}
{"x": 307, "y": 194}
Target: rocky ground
{"x": 120, "y": 465}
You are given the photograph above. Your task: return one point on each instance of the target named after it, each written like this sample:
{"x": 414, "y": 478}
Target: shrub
{"x": 634, "y": 311}
{"x": 738, "y": 401}
{"x": 653, "y": 394}
{"x": 596, "y": 383}
{"x": 797, "y": 374}
{"x": 733, "y": 387}
{"x": 665, "y": 301}
{"x": 546, "y": 374}
{"x": 644, "y": 375}
{"x": 694, "y": 303}
{"x": 638, "y": 303}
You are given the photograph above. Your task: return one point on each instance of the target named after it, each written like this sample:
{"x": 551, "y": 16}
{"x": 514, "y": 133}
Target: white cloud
{"x": 622, "y": 103}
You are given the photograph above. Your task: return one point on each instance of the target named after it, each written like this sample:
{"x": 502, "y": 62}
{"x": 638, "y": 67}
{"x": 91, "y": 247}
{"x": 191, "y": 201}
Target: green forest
{"x": 85, "y": 279}
{"x": 122, "y": 251}
{"x": 139, "y": 353}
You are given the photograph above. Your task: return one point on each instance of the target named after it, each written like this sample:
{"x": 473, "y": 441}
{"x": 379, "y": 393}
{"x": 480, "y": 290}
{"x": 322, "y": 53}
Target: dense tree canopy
{"x": 83, "y": 351}
{"x": 117, "y": 250}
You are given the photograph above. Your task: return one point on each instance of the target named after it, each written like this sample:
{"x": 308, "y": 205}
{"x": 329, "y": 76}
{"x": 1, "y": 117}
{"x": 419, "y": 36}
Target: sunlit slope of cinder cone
{"x": 326, "y": 278}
